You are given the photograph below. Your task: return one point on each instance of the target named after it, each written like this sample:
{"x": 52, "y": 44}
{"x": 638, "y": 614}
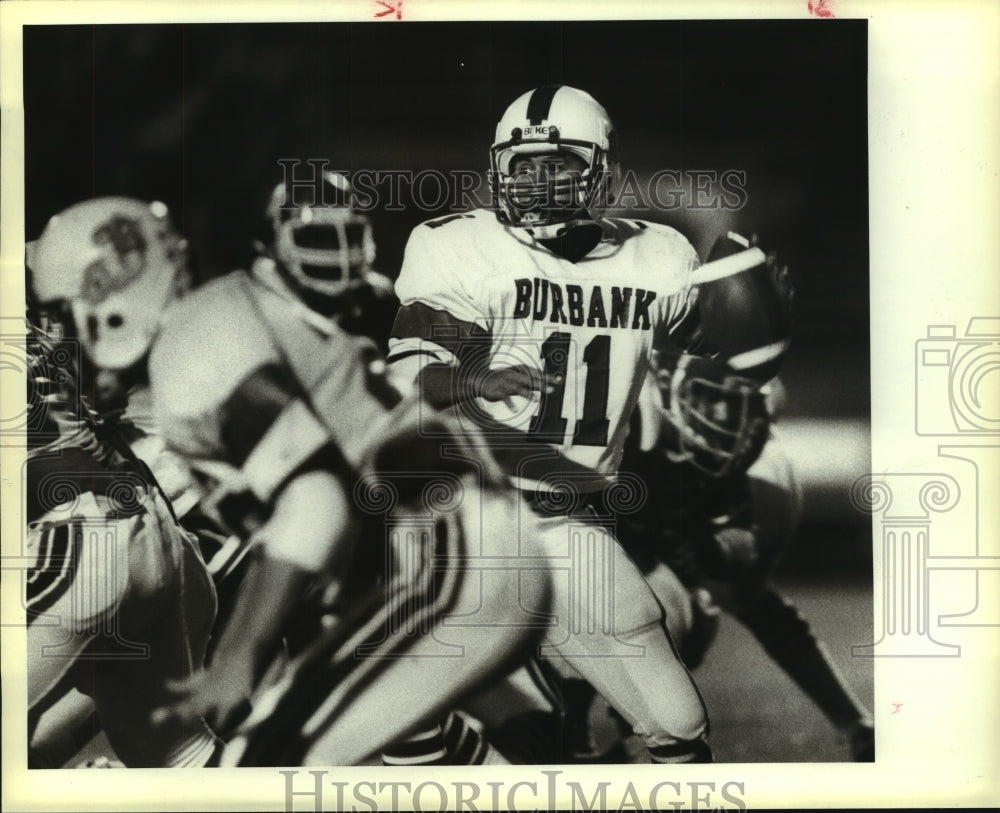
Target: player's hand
{"x": 503, "y": 383}
{"x": 219, "y": 695}
{"x": 737, "y": 547}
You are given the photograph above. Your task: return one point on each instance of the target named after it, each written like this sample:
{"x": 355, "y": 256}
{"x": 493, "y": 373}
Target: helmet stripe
{"x": 540, "y": 102}
{"x": 728, "y": 266}
{"x": 759, "y": 355}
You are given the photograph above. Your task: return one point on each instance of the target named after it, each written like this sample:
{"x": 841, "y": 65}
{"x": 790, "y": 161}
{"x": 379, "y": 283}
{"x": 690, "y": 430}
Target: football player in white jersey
{"x": 537, "y": 322}
{"x": 285, "y": 419}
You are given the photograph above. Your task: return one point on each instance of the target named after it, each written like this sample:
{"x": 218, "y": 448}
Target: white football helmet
{"x": 117, "y": 263}
{"x": 326, "y": 245}
{"x": 553, "y": 120}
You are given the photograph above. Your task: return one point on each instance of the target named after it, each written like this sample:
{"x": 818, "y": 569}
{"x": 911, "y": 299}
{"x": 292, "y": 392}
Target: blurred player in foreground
{"x": 306, "y": 450}
{"x": 119, "y": 601}
{"x": 317, "y": 250}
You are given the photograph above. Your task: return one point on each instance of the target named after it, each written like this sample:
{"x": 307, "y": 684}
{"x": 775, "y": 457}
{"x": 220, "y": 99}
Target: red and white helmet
{"x": 117, "y": 263}
{"x": 553, "y": 120}
{"x": 326, "y": 245}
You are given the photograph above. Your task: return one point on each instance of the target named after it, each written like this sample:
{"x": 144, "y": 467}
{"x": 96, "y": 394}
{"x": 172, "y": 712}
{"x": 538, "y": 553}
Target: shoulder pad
{"x": 211, "y": 341}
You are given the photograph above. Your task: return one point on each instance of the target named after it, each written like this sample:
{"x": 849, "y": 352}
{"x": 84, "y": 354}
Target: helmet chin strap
{"x": 552, "y": 231}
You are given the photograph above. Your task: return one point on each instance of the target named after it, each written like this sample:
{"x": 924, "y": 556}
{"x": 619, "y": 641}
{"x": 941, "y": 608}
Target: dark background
{"x": 199, "y": 115}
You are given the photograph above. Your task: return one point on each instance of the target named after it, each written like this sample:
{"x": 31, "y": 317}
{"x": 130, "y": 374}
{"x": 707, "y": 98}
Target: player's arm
{"x": 280, "y": 477}
{"x": 441, "y": 338}
{"x": 308, "y": 536}
{"x": 449, "y": 359}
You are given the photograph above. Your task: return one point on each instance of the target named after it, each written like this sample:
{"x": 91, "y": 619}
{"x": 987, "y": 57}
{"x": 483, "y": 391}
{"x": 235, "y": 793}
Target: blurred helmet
{"x": 326, "y": 246}
{"x": 116, "y": 262}
{"x": 716, "y": 420}
{"x": 553, "y": 121}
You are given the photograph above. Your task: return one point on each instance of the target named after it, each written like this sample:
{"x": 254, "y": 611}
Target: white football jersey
{"x": 593, "y": 324}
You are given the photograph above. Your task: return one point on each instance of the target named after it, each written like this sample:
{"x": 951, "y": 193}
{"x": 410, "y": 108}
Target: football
{"x": 744, "y": 305}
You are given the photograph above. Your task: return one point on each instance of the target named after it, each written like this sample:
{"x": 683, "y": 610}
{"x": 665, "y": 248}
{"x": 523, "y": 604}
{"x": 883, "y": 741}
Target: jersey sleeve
{"x": 438, "y": 299}
{"x": 679, "y": 311}
{"x": 434, "y": 272}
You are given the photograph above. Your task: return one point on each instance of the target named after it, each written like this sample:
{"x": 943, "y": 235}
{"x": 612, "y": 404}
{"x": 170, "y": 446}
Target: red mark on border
{"x": 391, "y": 7}
{"x": 898, "y": 706}
{"x": 819, "y": 8}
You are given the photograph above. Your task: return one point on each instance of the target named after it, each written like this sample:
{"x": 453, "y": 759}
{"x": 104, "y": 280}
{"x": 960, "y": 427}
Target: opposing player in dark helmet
{"x": 322, "y": 251}
{"x": 306, "y": 451}
{"x": 728, "y": 503}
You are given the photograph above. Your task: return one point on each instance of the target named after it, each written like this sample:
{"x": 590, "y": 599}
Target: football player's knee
{"x": 684, "y": 720}
{"x": 636, "y": 607}
{"x": 688, "y": 720}
{"x": 92, "y": 602}
{"x": 675, "y": 600}
{"x": 669, "y": 705}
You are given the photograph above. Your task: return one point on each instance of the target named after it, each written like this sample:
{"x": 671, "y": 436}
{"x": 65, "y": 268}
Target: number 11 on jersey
{"x": 591, "y": 429}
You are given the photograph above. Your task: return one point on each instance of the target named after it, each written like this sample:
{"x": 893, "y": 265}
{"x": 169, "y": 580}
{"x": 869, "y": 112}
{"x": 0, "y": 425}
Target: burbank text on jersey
{"x": 583, "y": 307}
{"x": 326, "y": 487}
